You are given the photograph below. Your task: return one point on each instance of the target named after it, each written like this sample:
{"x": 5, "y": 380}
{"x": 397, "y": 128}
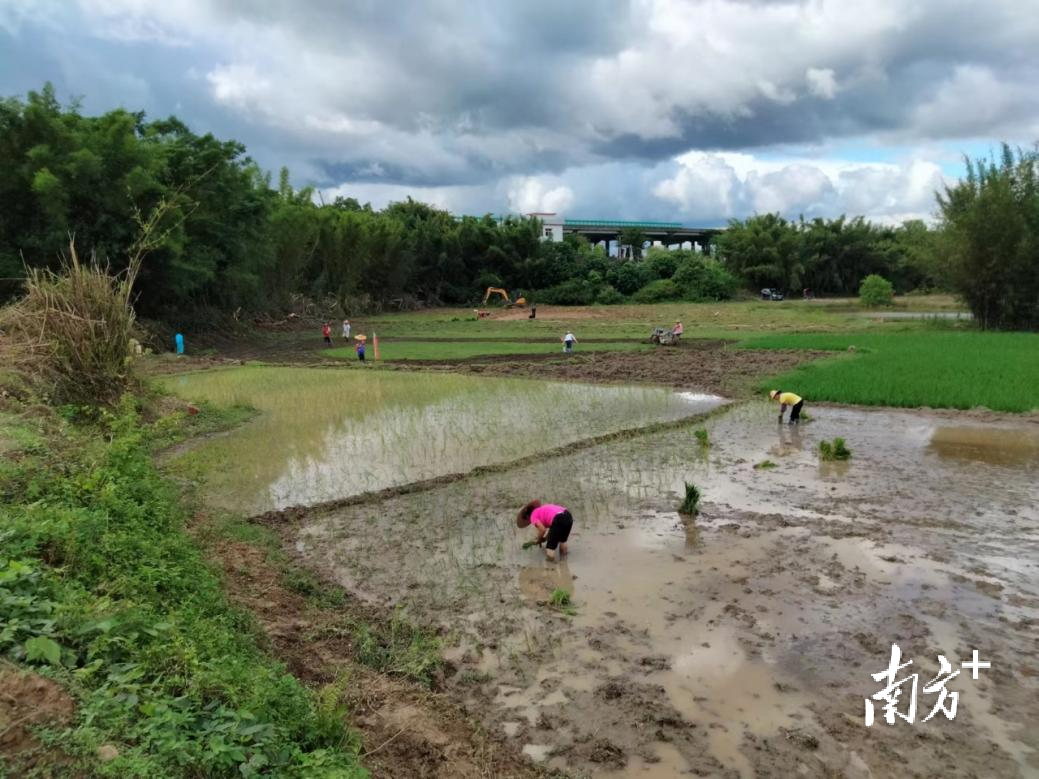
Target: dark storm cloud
{"x": 448, "y": 94}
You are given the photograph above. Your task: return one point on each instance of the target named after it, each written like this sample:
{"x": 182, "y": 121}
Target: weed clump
{"x": 70, "y": 335}
{"x": 702, "y": 437}
{"x": 400, "y": 648}
{"x": 835, "y": 450}
{"x": 691, "y": 504}
{"x": 765, "y": 465}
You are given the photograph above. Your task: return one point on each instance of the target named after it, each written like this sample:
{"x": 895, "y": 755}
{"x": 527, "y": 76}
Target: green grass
{"x": 731, "y": 319}
{"x": 462, "y": 350}
{"x": 928, "y": 367}
{"x": 103, "y": 590}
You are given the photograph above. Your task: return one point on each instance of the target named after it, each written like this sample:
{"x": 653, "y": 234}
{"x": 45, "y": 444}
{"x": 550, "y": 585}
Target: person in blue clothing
{"x": 179, "y": 340}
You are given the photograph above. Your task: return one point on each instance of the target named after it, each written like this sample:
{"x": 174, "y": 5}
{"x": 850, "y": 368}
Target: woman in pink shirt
{"x": 552, "y": 523}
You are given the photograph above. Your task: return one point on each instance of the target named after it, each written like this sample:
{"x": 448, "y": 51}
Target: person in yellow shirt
{"x": 796, "y": 403}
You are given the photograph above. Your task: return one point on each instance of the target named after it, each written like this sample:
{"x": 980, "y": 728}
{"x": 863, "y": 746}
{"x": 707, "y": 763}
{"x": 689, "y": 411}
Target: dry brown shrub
{"x": 70, "y": 335}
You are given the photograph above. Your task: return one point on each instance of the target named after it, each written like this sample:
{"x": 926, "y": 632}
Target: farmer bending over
{"x": 796, "y": 403}
{"x": 552, "y": 523}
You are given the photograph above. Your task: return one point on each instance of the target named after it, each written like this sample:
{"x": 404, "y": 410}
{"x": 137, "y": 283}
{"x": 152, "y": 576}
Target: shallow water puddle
{"x": 740, "y": 643}
{"x": 996, "y": 446}
{"x": 328, "y": 434}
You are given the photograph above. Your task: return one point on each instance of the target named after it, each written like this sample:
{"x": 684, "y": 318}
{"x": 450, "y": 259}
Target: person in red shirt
{"x": 552, "y": 523}
{"x": 326, "y": 331}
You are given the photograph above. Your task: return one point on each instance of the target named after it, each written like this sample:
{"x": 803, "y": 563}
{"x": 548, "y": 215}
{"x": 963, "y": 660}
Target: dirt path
{"x": 407, "y": 730}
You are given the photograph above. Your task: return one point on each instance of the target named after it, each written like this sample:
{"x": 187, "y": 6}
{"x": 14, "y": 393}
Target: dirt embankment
{"x": 713, "y": 366}
{"x": 29, "y": 701}
{"x": 407, "y": 730}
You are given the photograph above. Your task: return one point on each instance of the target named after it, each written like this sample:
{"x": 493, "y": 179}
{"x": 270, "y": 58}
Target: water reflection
{"x": 538, "y": 581}
{"x": 789, "y": 441}
{"x": 992, "y": 445}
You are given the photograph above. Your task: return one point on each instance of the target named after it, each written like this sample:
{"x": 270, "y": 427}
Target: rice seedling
{"x": 691, "y": 503}
{"x": 702, "y": 437}
{"x": 560, "y": 599}
{"x": 340, "y": 433}
{"x": 765, "y": 465}
{"x": 835, "y": 450}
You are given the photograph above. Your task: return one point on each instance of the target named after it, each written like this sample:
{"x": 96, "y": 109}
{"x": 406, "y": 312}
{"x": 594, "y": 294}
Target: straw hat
{"x": 361, "y": 337}
{"x": 773, "y": 393}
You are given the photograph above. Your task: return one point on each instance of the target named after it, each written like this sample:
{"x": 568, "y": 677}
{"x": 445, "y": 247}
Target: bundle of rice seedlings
{"x": 837, "y": 450}
{"x": 691, "y": 504}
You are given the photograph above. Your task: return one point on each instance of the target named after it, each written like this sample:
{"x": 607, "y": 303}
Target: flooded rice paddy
{"x": 329, "y": 434}
{"x": 742, "y": 642}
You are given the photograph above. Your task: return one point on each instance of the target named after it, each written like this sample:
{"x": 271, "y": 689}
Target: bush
{"x": 629, "y": 277}
{"x": 487, "y": 279}
{"x": 657, "y": 291}
{"x": 608, "y": 296}
{"x": 700, "y": 278}
{"x": 575, "y": 292}
{"x": 70, "y": 334}
{"x": 662, "y": 263}
{"x": 876, "y": 291}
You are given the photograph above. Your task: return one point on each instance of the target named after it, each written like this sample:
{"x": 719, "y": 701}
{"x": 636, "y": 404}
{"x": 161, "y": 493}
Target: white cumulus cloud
{"x": 822, "y": 82}
{"x": 533, "y": 194}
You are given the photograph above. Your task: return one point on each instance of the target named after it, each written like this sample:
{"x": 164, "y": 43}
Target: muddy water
{"x": 330, "y": 434}
{"x": 740, "y": 643}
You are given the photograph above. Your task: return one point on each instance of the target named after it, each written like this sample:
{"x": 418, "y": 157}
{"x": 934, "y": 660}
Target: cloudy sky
{"x": 687, "y": 110}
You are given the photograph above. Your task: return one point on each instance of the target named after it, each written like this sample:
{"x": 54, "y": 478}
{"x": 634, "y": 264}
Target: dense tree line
{"x": 230, "y": 238}
{"x": 830, "y": 256}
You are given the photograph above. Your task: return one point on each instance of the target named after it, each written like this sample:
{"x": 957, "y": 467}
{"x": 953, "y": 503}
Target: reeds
{"x": 70, "y": 335}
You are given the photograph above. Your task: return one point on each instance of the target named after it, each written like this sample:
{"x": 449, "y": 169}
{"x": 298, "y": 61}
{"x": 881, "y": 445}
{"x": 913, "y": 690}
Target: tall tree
{"x": 992, "y": 219}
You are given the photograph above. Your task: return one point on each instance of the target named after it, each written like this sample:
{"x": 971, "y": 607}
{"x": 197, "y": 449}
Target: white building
{"x": 552, "y": 225}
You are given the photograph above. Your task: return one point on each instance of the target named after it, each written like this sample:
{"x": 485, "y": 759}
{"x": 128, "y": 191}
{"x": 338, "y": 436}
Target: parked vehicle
{"x": 771, "y": 294}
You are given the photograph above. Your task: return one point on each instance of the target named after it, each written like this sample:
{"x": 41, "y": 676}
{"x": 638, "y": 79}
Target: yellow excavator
{"x": 517, "y": 303}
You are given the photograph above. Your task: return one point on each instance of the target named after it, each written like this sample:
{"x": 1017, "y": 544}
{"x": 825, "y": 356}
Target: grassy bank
{"x": 702, "y": 320}
{"x": 105, "y": 591}
{"x": 925, "y": 367}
